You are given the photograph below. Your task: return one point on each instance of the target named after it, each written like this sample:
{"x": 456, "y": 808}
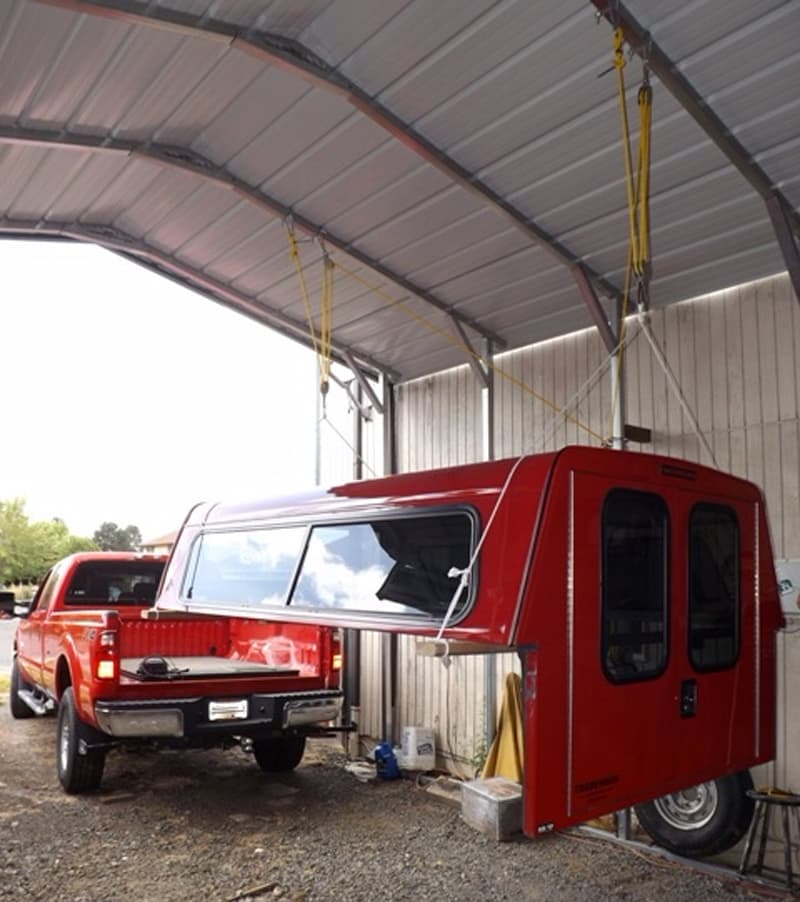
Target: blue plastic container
{"x": 385, "y": 761}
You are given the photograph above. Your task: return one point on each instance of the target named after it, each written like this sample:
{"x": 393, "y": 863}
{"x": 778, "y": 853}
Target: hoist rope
{"x": 470, "y": 352}
{"x": 321, "y": 345}
{"x": 674, "y": 384}
{"x": 361, "y": 459}
{"x": 547, "y": 433}
{"x": 638, "y": 263}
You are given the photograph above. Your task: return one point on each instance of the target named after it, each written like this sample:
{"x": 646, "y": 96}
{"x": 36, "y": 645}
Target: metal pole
{"x": 617, "y": 371}
{"x": 389, "y": 645}
{"x": 352, "y": 638}
{"x": 487, "y": 431}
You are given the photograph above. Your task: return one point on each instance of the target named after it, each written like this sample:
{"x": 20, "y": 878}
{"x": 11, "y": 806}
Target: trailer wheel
{"x": 280, "y": 753}
{"x": 701, "y": 820}
{"x": 19, "y": 710}
{"x": 77, "y": 773}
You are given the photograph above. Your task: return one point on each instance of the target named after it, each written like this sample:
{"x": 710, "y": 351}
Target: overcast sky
{"x": 128, "y": 398}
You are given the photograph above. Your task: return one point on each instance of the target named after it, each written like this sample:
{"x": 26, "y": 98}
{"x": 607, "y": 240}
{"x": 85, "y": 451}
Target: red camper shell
{"x": 638, "y": 590}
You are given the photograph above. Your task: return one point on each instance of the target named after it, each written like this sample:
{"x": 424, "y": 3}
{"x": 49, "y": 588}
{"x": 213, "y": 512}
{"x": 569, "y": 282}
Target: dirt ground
{"x": 202, "y": 825}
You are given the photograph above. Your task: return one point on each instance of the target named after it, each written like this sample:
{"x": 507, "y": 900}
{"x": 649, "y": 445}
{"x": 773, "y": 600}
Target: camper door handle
{"x": 688, "y": 700}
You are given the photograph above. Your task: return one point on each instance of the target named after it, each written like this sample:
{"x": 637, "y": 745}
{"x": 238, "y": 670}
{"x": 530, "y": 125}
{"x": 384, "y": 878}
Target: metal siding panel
{"x": 789, "y": 509}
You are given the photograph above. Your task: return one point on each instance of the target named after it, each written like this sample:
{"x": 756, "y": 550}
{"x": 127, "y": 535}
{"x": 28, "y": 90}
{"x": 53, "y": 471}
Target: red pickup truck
{"x": 119, "y": 672}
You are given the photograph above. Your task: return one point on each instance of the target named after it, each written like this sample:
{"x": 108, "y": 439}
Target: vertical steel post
{"x": 617, "y": 371}
{"x": 487, "y": 433}
{"x": 352, "y": 638}
{"x": 389, "y": 649}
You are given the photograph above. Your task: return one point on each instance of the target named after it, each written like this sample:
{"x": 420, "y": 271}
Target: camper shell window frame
{"x": 620, "y": 672}
{"x": 693, "y": 629}
{"x": 361, "y": 518}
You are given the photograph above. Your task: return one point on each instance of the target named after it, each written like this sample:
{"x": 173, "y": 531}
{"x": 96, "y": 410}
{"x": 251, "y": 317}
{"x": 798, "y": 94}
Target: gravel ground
{"x": 210, "y": 826}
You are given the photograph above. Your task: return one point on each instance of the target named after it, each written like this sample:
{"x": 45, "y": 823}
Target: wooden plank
{"x": 430, "y": 648}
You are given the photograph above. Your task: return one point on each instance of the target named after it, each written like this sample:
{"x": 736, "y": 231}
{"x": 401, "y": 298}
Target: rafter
{"x": 294, "y": 57}
{"x": 186, "y": 160}
{"x": 120, "y": 242}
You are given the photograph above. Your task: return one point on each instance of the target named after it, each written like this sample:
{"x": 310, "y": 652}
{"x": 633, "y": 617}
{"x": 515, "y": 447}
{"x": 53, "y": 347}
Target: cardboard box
{"x": 493, "y": 806}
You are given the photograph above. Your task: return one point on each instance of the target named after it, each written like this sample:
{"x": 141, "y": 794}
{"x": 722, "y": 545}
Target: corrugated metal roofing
{"x": 181, "y": 133}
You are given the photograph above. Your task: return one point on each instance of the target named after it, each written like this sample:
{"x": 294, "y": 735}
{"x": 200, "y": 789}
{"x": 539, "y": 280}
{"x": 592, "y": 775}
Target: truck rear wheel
{"x": 19, "y": 710}
{"x": 702, "y": 820}
{"x": 280, "y": 753}
{"x": 76, "y": 772}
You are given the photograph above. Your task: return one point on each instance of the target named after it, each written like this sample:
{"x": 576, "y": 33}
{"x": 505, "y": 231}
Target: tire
{"x": 702, "y": 820}
{"x": 19, "y": 710}
{"x": 282, "y": 753}
{"x": 77, "y": 773}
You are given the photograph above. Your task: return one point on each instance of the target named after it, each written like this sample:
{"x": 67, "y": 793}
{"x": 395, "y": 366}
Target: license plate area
{"x": 228, "y": 710}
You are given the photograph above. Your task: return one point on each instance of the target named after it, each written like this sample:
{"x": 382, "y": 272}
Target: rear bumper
{"x": 206, "y": 718}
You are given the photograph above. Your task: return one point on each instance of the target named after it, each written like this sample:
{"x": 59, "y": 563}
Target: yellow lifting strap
{"x": 321, "y": 345}
{"x": 638, "y": 185}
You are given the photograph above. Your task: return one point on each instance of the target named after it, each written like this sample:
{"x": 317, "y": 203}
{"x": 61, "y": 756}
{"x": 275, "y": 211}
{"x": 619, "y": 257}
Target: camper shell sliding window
{"x": 382, "y": 565}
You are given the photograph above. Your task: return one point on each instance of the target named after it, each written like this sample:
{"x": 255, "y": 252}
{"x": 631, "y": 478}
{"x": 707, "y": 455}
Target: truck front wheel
{"x": 76, "y": 772}
{"x": 702, "y": 820}
{"x": 19, "y": 710}
{"x": 280, "y": 753}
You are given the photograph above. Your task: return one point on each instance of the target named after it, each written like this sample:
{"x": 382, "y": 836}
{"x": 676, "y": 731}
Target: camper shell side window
{"x": 714, "y": 598}
{"x": 391, "y": 565}
{"x": 635, "y": 624}
{"x": 394, "y": 566}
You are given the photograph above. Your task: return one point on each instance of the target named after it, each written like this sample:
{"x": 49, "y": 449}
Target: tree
{"x": 28, "y": 550}
{"x": 110, "y": 537}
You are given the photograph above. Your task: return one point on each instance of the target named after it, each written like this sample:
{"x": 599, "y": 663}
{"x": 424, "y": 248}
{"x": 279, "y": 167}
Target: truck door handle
{"x": 688, "y": 700}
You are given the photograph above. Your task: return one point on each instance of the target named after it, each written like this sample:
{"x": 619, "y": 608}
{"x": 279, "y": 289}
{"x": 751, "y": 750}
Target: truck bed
{"x": 199, "y": 666}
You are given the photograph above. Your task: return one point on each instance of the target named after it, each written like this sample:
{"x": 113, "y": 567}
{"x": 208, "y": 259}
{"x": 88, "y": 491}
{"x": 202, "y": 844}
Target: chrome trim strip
{"x": 570, "y": 636}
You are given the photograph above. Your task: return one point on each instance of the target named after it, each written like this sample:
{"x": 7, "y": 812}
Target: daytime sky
{"x": 129, "y": 398}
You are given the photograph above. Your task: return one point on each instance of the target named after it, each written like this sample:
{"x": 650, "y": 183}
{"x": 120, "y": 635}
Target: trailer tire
{"x": 19, "y": 710}
{"x": 701, "y": 820}
{"x": 77, "y": 773}
{"x": 280, "y": 753}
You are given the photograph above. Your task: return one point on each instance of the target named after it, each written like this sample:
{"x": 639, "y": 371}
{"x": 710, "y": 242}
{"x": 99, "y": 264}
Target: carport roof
{"x": 461, "y": 156}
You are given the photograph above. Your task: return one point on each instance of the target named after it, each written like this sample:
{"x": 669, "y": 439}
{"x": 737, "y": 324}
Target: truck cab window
{"x": 634, "y": 585}
{"x": 713, "y": 587}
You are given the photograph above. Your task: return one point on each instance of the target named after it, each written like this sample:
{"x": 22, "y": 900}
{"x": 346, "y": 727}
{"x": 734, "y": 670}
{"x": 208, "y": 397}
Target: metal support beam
{"x": 618, "y": 377}
{"x": 389, "y": 427}
{"x": 487, "y": 434}
{"x": 595, "y": 309}
{"x": 300, "y": 61}
{"x": 389, "y": 644}
{"x": 473, "y": 357}
{"x": 185, "y": 160}
{"x": 670, "y": 75}
{"x": 364, "y": 385}
{"x": 114, "y": 239}
{"x": 786, "y": 240}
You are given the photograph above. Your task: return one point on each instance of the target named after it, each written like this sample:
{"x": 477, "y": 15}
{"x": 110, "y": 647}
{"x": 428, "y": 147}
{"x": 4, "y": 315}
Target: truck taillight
{"x": 336, "y": 661}
{"x": 106, "y": 667}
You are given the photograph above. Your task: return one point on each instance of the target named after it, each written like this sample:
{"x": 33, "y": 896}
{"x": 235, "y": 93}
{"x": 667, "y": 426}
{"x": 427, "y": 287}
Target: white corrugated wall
{"x": 736, "y": 355}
